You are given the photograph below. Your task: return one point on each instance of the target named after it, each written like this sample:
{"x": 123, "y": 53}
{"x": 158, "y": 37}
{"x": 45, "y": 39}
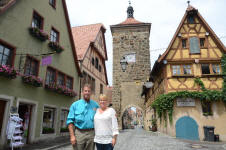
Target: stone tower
{"x": 130, "y": 43}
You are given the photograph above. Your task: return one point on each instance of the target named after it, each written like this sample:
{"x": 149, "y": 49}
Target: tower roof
{"x": 130, "y": 19}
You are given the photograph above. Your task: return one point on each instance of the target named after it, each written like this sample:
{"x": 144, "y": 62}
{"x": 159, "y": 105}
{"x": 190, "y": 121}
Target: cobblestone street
{"x": 139, "y": 139}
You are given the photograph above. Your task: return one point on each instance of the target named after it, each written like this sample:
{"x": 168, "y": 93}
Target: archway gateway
{"x": 132, "y": 117}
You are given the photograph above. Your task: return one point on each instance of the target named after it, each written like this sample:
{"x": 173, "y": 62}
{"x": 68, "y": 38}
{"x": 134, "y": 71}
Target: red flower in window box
{"x": 56, "y": 46}
{"x": 8, "y": 72}
{"x": 32, "y": 80}
{"x": 61, "y": 89}
{"x": 39, "y": 33}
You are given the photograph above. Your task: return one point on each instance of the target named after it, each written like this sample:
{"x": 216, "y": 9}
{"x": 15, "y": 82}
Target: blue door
{"x": 187, "y": 128}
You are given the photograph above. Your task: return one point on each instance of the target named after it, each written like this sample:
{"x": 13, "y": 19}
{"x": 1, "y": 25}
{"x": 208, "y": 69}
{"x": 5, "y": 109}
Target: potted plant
{"x": 154, "y": 124}
{"x": 32, "y": 80}
{"x": 8, "y": 72}
{"x": 38, "y": 33}
{"x": 56, "y": 46}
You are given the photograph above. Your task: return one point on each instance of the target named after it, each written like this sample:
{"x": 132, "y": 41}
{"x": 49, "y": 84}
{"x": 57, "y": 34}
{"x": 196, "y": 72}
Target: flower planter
{"x": 47, "y": 130}
{"x": 8, "y": 72}
{"x": 56, "y": 47}
{"x": 61, "y": 90}
{"x": 32, "y": 80}
{"x": 39, "y": 34}
{"x": 64, "y": 129}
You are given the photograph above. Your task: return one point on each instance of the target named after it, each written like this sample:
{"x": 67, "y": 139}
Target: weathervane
{"x": 188, "y": 3}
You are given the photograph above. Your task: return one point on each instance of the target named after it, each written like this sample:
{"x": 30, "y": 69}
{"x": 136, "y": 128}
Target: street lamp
{"x": 123, "y": 63}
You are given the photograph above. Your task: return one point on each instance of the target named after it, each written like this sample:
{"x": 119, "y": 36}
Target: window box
{"x": 8, "y": 72}
{"x": 56, "y": 47}
{"x": 47, "y": 130}
{"x": 61, "y": 89}
{"x": 38, "y": 33}
{"x": 32, "y": 80}
{"x": 64, "y": 129}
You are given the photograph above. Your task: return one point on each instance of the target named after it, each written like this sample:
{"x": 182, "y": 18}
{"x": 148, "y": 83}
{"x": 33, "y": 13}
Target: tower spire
{"x": 130, "y": 11}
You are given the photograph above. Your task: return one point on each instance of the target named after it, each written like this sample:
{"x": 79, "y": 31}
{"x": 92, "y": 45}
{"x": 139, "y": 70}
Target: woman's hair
{"x": 103, "y": 96}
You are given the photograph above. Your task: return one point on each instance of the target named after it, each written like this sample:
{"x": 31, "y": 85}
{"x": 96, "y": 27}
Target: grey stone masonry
{"x": 130, "y": 39}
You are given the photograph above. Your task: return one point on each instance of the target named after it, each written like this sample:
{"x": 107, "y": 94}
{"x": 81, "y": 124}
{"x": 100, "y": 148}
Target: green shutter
{"x": 194, "y": 45}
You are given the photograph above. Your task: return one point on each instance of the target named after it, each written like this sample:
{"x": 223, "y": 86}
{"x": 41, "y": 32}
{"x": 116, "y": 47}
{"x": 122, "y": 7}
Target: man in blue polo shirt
{"x": 80, "y": 118}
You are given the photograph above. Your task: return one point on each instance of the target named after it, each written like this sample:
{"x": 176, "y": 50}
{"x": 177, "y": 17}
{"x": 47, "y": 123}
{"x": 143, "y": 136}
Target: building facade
{"x": 188, "y": 79}
{"x": 92, "y": 54}
{"x": 39, "y": 73}
{"x": 130, "y": 44}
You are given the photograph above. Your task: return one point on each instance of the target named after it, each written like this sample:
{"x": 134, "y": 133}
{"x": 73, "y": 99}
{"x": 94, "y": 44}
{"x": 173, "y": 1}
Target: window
{"x": 50, "y": 76}
{"x": 101, "y": 88}
{"x": 210, "y": 69}
{"x": 181, "y": 69}
{"x": 184, "y": 43}
{"x": 187, "y": 69}
{"x": 191, "y": 19}
{"x": 202, "y": 42}
{"x": 55, "y": 77}
{"x": 48, "y": 120}
{"x": 60, "y": 79}
{"x": 69, "y": 82}
{"x": 96, "y": 63}
{"x": 194, "y": 45}
{"x": 100, "y": 68}
{"x": 5, "y": 55}
{"x": 52, "y": 3}
{"x": 63, "y": 119}
{"x": 54, "y": 36}
{"x": 93, "y": 61}
{"x": 176, "y": 69}
{"x": 206, "y": 108}
{"x": 31, "y": 66}
{"x": 37, "y": 21}
{"x": 216, "y": 68}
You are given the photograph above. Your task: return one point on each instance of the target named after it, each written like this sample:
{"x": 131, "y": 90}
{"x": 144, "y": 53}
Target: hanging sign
{"x": 46, "y": 60}
{"x": 185, "y": 102}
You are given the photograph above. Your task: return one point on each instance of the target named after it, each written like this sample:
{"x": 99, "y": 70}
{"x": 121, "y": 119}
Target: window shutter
{"x": 194, "y": 45}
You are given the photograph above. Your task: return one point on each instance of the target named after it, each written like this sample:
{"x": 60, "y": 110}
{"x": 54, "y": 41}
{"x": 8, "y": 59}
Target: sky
{"x": 164, "y": 15}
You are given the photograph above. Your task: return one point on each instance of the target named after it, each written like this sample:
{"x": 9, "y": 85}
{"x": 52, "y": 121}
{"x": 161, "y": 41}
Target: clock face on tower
{"x": 131, "y": 57}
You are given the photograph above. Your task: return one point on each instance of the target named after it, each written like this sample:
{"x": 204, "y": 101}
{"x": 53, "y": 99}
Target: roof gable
{"x": 84, "y": 36}
{"x": 189, "y": 10}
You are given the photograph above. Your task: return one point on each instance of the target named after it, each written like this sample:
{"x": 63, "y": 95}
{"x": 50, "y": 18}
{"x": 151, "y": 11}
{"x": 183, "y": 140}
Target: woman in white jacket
{"x": 105, "y": 125}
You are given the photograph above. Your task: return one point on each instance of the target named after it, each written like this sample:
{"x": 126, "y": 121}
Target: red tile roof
{"x": 84, "y": 36}
{"x": 131, "y": 21}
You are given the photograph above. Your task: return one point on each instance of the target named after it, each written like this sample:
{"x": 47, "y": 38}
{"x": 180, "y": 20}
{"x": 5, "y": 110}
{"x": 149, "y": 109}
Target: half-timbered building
{"x": 194, "y": 54}
{"x": 92, "y": 54}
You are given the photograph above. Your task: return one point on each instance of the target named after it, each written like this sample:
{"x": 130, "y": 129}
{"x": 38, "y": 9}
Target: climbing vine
{"x": 164, "y": 103}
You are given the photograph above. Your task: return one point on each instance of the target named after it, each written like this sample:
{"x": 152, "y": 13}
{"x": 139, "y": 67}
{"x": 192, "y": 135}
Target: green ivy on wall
{"x": 164, "y": 103}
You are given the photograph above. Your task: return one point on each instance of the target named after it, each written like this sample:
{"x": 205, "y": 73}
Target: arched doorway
{"x": 132, "y": 118}
{"x": 187, "y": 128}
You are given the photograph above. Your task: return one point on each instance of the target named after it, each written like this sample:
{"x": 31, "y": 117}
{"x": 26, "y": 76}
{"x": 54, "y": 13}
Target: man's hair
{"x": 86, "y": 85}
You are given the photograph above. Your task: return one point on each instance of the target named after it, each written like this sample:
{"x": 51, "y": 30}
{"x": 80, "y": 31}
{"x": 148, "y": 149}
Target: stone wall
{"x": 127, "y": 86}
